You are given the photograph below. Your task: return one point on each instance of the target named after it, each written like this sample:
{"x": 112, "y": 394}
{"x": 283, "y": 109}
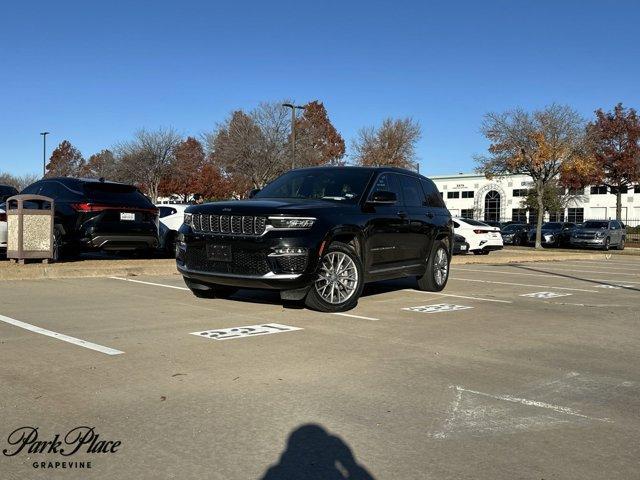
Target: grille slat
{"x": 229, "y": 224}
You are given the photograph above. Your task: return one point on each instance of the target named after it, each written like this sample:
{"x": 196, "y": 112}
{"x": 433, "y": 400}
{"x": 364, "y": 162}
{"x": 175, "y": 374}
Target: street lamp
{"x": 293, "y": 130}
{"x": 44, "y": 152}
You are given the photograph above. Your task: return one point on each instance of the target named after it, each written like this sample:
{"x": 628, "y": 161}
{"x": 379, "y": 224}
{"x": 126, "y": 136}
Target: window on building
{"x": 453, "y": 194}
{"x": 598, "y": 190}
{"x": 520, "y": 192}
{"x": 575, "y": 215}
{"x": 575, "y": 191}
{"x": 467, "y": 194}
{"x": 466, "y": 213}
{"x": 533, "y": 217}
{"x": 519, "y": 214}
{"x": 556, "y": 216}
{"x": 636, "y": 189}
{"x": 623, "y": 189}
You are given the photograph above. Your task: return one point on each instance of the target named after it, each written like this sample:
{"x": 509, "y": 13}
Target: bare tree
{"x": 18, "y": 181}
{"x": 392, "y": 144}
{"x": 147, "y": 159}
{"x": 251, "y": 148}
{"x": 540, "y": 144}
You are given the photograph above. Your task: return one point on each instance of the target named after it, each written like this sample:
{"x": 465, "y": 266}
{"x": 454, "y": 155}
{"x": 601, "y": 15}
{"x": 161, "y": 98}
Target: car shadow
{"x": 618, "y": 284}
{"x": 312, "y": 453}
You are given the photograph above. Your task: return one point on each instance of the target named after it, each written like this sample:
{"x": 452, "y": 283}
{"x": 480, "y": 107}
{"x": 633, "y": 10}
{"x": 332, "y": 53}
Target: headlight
{"x": 188, "y": 219}
{"x": 548, "y": 238}
{"x": 291, "y": 223}
{"x": 600, "y": 234}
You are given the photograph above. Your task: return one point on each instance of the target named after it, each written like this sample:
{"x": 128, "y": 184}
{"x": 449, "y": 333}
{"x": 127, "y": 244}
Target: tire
{"x": 607, "y": 244}
{"x": 340, "y": 273}
{"x": 58, "y": 253}
{"x": 621, "y": 246}
{"x": 437, "y": 269}
{"x": 209, "y": 290}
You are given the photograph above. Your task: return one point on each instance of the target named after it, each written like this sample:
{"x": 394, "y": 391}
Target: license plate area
{"x": 127, "y": 216}
{"x": 218, "y": 253}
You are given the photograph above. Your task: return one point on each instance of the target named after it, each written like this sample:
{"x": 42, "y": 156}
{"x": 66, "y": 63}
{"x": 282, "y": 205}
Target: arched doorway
{"x": 492, "y": 206}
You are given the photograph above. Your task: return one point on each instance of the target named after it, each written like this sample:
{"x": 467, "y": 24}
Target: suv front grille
{"x": 243, "y": 263}
{"x": 229, "y": 224}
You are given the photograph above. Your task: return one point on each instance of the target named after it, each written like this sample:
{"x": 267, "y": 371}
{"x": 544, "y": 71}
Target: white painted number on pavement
{"x": 248, "y": 331}
{"x": 437, "y": 308}
{"x": 545, "y": 295}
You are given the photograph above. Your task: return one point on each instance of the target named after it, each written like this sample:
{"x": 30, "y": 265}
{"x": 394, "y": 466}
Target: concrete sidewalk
{"x": 107, "y": 267}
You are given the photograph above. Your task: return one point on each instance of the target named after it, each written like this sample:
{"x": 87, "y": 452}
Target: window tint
{"x": 50, "y": 189}
{"x": 413, "y": 196}
{"x": 388, "y": 182}
{"x": 432, "y": 195}
{"x": 166, "y": 211}
{"x": 116, "y": 193}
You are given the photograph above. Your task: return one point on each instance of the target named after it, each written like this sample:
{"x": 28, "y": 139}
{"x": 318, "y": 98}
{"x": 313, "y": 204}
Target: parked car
{"x": 515, "y": 234}
{"x": 554, "y": 234}
{"x": 98, "y": 215}
{"x": 482, "y": 238}
{"x": 3, "y": 229}
{"x": 171, "y": 219}
{"x": 7, "y": 191}
{"x": 600, "y": 234}
{"x": 494, "y": 223}
{"x": 318, "y": 235}
{"x": 460, "y": 245}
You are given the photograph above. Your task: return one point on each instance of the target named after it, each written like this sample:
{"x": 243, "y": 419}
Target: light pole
{"x": 44, "y": 152}
{"x": 293, "y": 130}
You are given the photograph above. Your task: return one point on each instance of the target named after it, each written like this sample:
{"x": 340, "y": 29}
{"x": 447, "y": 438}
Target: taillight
{"x": 100, "y": 207}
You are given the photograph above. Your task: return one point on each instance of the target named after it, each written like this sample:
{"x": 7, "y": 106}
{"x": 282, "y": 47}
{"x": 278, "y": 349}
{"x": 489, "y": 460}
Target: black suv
{"x": 7, "y": 191}
{"x": 320, "y": 234}
{"x": 98, "y": 215}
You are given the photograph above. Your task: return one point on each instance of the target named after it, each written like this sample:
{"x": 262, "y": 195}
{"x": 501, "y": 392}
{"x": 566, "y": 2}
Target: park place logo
{"x": 79, "y": 440}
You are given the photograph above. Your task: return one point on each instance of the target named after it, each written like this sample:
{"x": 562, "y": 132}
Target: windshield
{"x": 512, "y": 228}
{"x": 338, "y": 184}
{"x": 552, "y": 226}
{"x": 592, "y": 224}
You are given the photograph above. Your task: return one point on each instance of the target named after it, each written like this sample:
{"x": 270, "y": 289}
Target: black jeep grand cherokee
{"x": 320, "y": 234}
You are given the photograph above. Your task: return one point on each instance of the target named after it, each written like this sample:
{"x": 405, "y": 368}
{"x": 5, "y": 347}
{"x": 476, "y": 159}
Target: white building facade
{"x": 471, "y": 195}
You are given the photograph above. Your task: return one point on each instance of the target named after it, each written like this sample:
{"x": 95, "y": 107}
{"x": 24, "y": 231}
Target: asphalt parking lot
{"x": 525, "y": 370}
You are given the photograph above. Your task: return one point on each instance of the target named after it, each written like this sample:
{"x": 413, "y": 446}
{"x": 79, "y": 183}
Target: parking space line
{"x": 603, "y": 266}
{"x": 355, "y": 316}
{"x": 524, "y": 285}
{"x": 458, "y": 296}
{"x": 60, "y": 336}
{"x": 149, "y": 283}
{"x": 546, "y": 275}
{"x": 564, "y": 269}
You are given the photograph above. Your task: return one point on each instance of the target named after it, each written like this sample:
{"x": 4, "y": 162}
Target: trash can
{"x": 30, "y": 228}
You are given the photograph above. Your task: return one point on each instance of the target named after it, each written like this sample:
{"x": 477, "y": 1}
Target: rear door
{"x": 421, "y": 221}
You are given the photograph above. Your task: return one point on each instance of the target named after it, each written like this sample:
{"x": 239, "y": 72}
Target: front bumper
{"x": 587, "y": 242}
{"x": 250, "y": 262}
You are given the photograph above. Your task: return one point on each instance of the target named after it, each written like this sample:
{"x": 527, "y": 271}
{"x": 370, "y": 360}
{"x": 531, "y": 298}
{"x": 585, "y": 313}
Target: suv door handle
{"x": 429, "y": 214}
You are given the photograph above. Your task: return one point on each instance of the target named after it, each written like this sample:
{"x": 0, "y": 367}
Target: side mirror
{"x": 252, "y": 192}
{"x": 383, "y": 198}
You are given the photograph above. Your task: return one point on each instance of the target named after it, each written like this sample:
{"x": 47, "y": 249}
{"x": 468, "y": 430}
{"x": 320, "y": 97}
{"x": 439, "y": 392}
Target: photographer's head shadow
{"x": 312, "y": 453}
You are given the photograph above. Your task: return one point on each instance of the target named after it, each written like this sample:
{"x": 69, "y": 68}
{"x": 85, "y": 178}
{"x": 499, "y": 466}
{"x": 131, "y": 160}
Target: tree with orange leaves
{"x": 318, "y": 141}
{"x": 541, "y": 144}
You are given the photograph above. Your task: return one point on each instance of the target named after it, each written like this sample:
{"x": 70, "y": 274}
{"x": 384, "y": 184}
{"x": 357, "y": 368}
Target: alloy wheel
{"x": 440, "y": 267}
{"x": 338, "y": 278}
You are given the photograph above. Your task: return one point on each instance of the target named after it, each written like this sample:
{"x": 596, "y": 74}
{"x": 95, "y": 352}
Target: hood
{"x": 590, "y": 230}
{"x": 271, "y": 206}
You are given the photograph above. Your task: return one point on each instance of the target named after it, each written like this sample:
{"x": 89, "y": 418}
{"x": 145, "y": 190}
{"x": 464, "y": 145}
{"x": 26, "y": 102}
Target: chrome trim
{"x": 287, "y": 254}
{"x": 389, "y": 269}
{"x": 266, "y": 276}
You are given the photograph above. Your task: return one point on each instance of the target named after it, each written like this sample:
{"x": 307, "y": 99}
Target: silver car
{"x": 602, "y": 234}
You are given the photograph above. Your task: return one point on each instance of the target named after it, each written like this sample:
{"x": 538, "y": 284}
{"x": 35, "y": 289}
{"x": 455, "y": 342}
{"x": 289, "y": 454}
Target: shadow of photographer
{"x": 314, "y": 454}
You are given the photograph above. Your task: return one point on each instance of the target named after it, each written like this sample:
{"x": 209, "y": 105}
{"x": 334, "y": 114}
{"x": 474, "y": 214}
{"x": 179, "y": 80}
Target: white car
{"x": 482, "y": 238}
{"x": 171, "y": 218}
{"x": 3, "y": 228}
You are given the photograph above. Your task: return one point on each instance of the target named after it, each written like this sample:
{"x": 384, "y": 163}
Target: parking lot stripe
{"x": 459, "y": 296}
{"x": 546, "y": 275}
{"x": 355, "y": 316}
{"x": 524, "y": 285}
{"x": 531, "y": 403}
{"x": 60, "y": 336}
{"x": 149, "y": 283}
{"x": 564, "y": 269}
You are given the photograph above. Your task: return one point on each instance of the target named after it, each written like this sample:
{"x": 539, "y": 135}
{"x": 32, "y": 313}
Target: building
{"x": 470, "y": 195}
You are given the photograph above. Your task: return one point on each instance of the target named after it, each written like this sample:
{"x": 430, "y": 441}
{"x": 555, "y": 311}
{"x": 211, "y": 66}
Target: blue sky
{"x": 94, "y": 72}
